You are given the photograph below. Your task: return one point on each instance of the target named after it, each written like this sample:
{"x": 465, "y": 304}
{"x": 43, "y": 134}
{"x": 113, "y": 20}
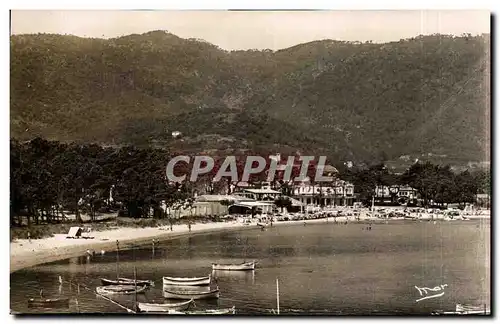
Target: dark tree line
{"x": 435, "y": 184}
{"x": 48, "y": 179}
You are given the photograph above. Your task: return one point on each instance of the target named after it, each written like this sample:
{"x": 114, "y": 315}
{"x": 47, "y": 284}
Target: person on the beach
{"x": 189, "y": 226}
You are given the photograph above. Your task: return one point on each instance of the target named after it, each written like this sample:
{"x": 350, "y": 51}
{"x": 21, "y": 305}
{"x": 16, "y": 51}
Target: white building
{"x": 262, "y": 194}
{"x": 338, "y": 193}
{"x": 386, "y": 192}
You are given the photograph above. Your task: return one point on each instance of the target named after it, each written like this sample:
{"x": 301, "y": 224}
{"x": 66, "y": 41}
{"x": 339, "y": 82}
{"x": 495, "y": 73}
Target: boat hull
{"x": 223, "y": 311}
{"x": 472, "y": 309}
{"x": 49, "y": 303}
{"x": 466, "y": 310}
{"x": 234, "y": 267}
{"x": 149, "y": 307}
{"x": 200, "y": 281}
{"x": 126, "y": 281}
{"x": 120, "y": 290}
{"x": 170, "y": 294}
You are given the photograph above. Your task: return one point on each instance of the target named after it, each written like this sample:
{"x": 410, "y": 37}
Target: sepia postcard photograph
{"x": 250, "y": 162}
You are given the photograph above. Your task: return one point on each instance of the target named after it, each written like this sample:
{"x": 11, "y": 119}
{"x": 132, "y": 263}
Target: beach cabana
{"x": 75, "y": 232}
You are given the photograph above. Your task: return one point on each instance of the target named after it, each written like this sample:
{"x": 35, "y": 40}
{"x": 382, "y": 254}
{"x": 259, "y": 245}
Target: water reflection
{"x": 188, "y": 288}
{"x": 247, "y": 276}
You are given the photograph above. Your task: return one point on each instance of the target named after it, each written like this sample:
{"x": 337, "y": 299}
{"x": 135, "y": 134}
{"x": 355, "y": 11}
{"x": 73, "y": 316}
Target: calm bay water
{"x": 322, "y": 269}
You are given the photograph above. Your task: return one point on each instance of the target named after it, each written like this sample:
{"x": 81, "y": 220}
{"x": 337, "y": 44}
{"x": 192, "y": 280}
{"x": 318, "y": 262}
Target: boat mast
{"x": 278, "y": 295}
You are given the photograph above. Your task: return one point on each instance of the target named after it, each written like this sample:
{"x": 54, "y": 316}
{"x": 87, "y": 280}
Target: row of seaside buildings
{"x": 245, "y": 198}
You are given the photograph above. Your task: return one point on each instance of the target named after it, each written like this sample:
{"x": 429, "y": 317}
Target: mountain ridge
{"x": 349, "y": 99}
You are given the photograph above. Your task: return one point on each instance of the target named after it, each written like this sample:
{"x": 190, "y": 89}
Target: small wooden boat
{"x": 262, "y": 224}
{"x": 234, "y": 267}
{"x": 191, "y": 294}
{"x": 471, "y": 309}
{"x": 120, "y": 290}
{"x": 466, "y": 310}
{"x": 222, "y": 311}
{"x": 126, "y": 281}
{"x": 193, "y": 281}
{"x": 165, "y": 307}
{"x": 48, "y": 302}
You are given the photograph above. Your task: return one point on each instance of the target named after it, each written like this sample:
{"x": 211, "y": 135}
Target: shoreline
{"x": 24, "y": 254}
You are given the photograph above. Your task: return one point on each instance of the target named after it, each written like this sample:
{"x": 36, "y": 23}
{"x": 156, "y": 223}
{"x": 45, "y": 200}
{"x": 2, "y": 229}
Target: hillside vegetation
{"x": 354, "y": 101}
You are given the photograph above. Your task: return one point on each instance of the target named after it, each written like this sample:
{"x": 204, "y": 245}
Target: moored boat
{"x": 222, "y": 311}
{"x": 126, "y": 281}
{"x": 466, "y": 310}
{"x": 234, "y": 267}
{"x": 120, "y": 290}
{"x": 164, "y": 307}
{"x": 471, "y": 309}
{"x": 191, "y": 294}
{"x": 187, "y": 281}
{"x": 48, "y": 302}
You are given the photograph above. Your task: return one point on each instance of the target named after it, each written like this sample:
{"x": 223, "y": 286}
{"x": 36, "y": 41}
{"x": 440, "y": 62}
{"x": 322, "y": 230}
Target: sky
{"x": 240, "y": 30}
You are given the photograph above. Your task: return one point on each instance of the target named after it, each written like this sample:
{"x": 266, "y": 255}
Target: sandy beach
{"x": 24, "y": 254}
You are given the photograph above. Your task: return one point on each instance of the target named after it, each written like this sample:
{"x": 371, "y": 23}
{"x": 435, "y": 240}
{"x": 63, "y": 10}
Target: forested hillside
{"x": 429, "y": 94}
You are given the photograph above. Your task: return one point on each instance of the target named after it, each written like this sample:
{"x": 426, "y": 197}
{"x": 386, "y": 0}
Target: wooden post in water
{"x": 135, "y": 287}
{"x": 373, "y": 206}
{"x": 117, "y": 257}
{"x": 278, "y": 295}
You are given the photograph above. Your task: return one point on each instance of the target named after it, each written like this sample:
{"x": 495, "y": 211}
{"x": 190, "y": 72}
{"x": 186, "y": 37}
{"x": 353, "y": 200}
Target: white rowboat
{"x": 466, "y": 310}
{"x": 234, "y": 267}
{"x": 120, "y": 290}
{"x": 194, "y": 281}
{"x": 222, "y": 311}
{"x": 165, "y": 307}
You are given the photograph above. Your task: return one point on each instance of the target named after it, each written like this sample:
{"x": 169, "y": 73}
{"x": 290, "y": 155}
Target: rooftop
{"x": 262, "y": 191}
